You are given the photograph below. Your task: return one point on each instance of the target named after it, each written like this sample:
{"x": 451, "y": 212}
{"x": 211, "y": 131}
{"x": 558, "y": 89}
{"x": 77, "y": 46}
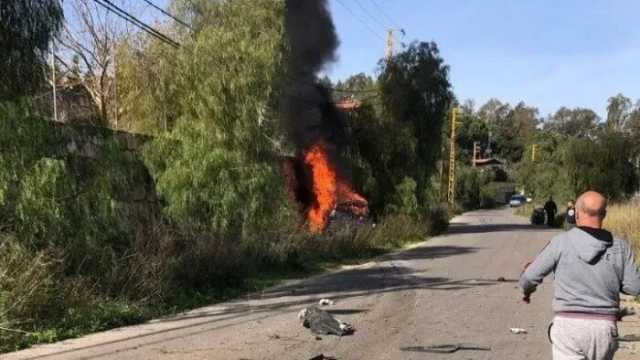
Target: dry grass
{"x": 624, "y": 221}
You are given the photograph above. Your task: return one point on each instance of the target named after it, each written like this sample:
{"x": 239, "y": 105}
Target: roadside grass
{"x": 624, "y": 221}
{"x": 36, "y": 307}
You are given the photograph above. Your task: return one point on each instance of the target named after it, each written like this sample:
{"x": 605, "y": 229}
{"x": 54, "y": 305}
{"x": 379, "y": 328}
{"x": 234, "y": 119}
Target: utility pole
{"x": 389, "y": 46}
{"x": 451, "y": 190}
{"x": 476, "y": 152}
{"x": 53, "y": 81}
{"x": 534, "y": 149}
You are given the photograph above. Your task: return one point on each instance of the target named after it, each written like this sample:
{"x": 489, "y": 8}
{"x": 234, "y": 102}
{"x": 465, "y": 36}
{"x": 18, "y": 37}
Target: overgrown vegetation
{"x": 93, "y": 237}
{"x": 622, "y": 220}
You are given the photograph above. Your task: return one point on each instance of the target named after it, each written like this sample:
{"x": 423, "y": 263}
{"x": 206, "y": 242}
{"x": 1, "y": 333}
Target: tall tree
{"x": 512, "y": 132}
{"x": 416, "y": 92}
{"x": 92, "y": 40}
{"x": 143, "y": 108}
{"x": 618, "y": 112}
{"x": 494, "y": 110}
{"x": 26, "y": 30}
{"x": 577, "y": 122}
{"x": 215, "y": 167}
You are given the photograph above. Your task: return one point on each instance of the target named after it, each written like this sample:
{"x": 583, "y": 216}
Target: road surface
{"x": 444, "y": 291}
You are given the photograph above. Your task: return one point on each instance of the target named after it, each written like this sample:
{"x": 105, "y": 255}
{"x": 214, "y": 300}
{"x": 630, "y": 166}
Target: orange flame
{"x": 324, "y": 187}
{"x": 330, "y": 190}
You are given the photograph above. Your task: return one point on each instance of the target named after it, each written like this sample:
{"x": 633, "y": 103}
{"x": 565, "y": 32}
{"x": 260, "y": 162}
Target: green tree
{"x": 26, "y": 29}
{"x": 577, "y": 122}
{"x": 511, "y": 132}
{"x": 604, "y": 164}
{"x": 618, "y": 112}
{"x": 494, "y": 111}
{"x": 143, "y": 108}
{"x": 471, "y": 129}
{"x": 415, "y": 92}
{"x": 215, "y": 169}
{"x": 358, "y": 82}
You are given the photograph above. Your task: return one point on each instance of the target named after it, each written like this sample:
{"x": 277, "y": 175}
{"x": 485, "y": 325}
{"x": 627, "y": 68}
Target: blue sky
{"x": 546, "y": 53}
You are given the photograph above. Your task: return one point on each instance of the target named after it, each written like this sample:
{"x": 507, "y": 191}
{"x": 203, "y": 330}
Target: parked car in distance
{"x": 517, "y": 200}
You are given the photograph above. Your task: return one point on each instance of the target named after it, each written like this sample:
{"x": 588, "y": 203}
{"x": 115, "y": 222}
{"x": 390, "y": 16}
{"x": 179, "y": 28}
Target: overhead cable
{"x": 137, "y": 22}
{"x": 168, "y": 14}
{"x": 384, "y": 13}
{"x": 370, "y": 15}
{"x": 375, "y": 33}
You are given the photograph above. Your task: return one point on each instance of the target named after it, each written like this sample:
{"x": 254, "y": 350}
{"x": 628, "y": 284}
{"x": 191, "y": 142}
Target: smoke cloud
{"x": 308, "y": 110}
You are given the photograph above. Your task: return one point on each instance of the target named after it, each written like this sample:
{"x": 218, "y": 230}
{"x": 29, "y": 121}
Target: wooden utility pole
{"x": 451, "y": 190}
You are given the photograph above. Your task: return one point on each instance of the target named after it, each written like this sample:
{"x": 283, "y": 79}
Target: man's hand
{"x": 527, "y": 294}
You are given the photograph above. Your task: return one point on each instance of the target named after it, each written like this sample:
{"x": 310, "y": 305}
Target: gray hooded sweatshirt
{"x": 591, "y": 268}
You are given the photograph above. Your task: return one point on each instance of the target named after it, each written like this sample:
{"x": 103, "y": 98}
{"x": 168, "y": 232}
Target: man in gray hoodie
{"x": 591, "y": 268}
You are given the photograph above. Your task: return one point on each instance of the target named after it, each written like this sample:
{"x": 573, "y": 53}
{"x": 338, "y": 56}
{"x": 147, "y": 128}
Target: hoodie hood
{"x": 590, "y": 243}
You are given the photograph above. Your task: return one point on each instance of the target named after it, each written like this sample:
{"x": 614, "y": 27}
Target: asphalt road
{"x": 445, "y": 291}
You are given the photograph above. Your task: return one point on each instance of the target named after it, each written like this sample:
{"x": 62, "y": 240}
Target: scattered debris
{"x": 518, "y": 330}
{"x": 318, "y": 338}
{"x": 326, "y": 302}
{"x": 625, "y": 311}
{"x": 322, "y": 323}
{"x": 274, "y": 337}
{"x": 323, "y": 357}
{"x": 446, "y": 348}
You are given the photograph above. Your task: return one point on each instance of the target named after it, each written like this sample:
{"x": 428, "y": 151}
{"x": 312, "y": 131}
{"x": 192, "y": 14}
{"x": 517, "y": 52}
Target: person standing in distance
{"x": 570, "y": 216}
{"x": 551, "y": 209}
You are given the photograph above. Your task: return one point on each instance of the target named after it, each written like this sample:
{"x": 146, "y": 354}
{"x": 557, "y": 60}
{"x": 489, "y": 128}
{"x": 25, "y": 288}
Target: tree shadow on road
{"x": 458, "y": 229}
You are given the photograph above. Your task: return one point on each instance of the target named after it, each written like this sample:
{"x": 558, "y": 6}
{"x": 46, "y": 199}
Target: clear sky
{"x": 548, "y": 53}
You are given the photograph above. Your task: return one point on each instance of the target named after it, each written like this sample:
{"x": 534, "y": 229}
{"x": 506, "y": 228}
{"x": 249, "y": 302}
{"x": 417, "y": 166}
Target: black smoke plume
{"x": 308, "y": 110}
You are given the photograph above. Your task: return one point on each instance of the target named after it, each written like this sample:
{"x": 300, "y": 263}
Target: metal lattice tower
{"x": 451, "y": 190}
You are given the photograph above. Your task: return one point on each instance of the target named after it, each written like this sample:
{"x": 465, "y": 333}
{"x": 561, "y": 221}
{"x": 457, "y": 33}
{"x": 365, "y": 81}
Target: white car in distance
{"x": 518, "y": 200}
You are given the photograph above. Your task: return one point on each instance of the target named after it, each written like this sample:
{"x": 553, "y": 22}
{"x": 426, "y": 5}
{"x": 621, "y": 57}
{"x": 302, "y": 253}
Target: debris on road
{"x": 326, "y": 302}
{"x": 322, "y": 323}
{"x": 518, "y": 330}
{"x": 323, "y": 357}
{"x": 625, "y": 311}
{"x": 446, "y": 348}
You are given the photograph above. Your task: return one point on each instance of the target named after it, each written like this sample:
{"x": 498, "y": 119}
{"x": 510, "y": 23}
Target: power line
{"x": 384, "y": 13}
{"x": 137, "y": 22}
{"x": 366, "y": 12}
{"x": 375, "y": 33}
{"x": 168, "y": 14}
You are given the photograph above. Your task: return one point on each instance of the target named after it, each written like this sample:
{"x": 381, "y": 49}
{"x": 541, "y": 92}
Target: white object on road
{"x": 518, "y": 330}
{"x": 325, "y": 302}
